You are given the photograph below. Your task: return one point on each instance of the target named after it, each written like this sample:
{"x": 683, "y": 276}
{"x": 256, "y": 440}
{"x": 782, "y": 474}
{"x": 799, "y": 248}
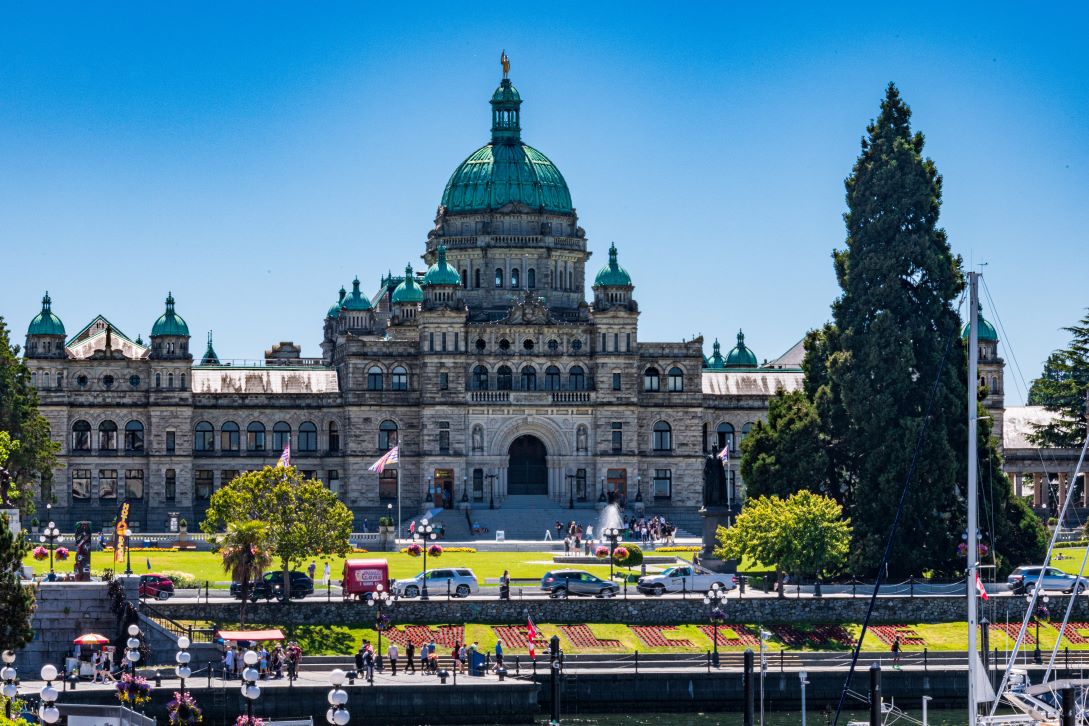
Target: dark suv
{"x": 271, "y": 585}
{"x": 157, "y": 586}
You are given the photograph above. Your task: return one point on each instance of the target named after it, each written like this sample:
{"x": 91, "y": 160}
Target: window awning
{"x": 272, "y": 634}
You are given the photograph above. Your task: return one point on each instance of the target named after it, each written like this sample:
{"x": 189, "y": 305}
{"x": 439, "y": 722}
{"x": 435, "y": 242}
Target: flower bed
{"x": 1011, "y": 630}
{"x": 654, "y": 636}
{"x": 679, "y": 548}
{"x": 887, "y": 634}
{"x": 1075, "y": 633}
{"x": 817, "y": 636}
{"x": 516, "y": 636}
{"x": 582, "y": 637}
{"x": 732, "y": 635}
{"x": 133, "y": 690}
{"x": 445, "y": 635}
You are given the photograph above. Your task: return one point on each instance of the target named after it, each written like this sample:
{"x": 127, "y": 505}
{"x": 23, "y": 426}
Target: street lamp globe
{"x": 134, "y": 630}
{"x": 49, "y": 672}
{"x": 184, "y": 642}
{"x": 336, "y": 677}
{"x": 250, "y": 658}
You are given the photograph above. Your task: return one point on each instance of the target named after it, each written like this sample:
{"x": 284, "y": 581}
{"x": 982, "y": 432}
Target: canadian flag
{"x": 531, "y": 635}
{"x": 979, "y": 586}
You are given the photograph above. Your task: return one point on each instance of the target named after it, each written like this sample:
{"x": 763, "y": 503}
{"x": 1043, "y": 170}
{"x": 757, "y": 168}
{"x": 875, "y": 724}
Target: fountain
{"x": 610, "y": 517}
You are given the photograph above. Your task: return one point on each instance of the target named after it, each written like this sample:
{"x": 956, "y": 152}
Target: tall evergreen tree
{"x": 16, "y": 600}
{"x": 786, "y": 454}
{"x": 1062, "y": 388}
{"x": 19, "y": 416}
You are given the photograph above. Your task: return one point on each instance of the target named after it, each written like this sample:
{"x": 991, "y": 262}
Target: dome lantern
{"x": 612, "y": 274}
{"x": 46, "y": 322}
{"x": 356, "y": 301}
{"x": 334, "y": 311}
{"x": 408, "y": 292}
{"x": 716, "y": 361}
{"x": 210, "y": 358}
{"x": 441, "y": 273}
{"x": 987, "y": 333}
{"x": 45, "y": 335}
{"x": 170, "y": 323}
{"x": 741, "y": 356}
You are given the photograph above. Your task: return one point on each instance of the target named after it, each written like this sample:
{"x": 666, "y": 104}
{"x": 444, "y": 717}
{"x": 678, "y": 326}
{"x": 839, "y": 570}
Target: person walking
{"x": 328, "y": 575}
{"x": 368, "y": 664}
{"x": 498, "y": 653}
{"x": 391, "y": 653}
{"x": 896, "y": 653}
{"x": 228, "y": 664}
{"x": 504, "y": 585}
{"x": 548, "y": 535}
{"x": 410, "y": 654}
{"x": 359, "y": 660}
{"x": 311, "y": 569}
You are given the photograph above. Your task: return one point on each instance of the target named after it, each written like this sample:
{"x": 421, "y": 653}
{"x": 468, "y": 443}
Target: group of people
{"x": 574, "y": 536}
{"x": 647, "y": 531}
{"x": 312, "y": 569}
{"x": 270, "y": 664}
{"x": 651, "y": 531}
{"x": 103, "y": 666}
{"x": 460, "y": 656}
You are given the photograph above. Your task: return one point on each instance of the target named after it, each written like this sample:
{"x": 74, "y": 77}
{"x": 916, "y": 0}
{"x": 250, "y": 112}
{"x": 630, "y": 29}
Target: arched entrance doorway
{"x": 527, "y": 472}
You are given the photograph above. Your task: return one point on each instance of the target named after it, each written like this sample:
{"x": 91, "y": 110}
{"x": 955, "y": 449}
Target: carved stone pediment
{"x": 530, "y": 310}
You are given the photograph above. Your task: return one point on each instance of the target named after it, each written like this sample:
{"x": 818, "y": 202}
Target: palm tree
{"x": 242, "y": 549}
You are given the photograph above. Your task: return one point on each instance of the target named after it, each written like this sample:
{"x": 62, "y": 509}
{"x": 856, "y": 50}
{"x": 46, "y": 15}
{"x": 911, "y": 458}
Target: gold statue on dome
{"x": 505, "y": 62}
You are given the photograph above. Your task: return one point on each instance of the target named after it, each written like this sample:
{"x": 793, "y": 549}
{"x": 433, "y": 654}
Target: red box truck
{"x": 363, "y": 577}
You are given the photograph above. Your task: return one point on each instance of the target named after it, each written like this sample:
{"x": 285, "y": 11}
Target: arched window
{"x": 387, "y": 435}
{"x": 552, "y": 378}
{"x": 204, "y": 437}
{"x": 480, "y": 378}
{"x": 308, "y": 437}
{"x": 651, "y": 380}
{"x": 158, "y": 380}
{"x": 374, "y": 378}
{"x": 498, "y": 277}
{"x": 399, "y": 379}
{"x": 745, "y": 432}
{"x": 107, "y": 436}
{"x": 531, "y": 278}
{"x": 281, "y": 436}
{"x": 577, "y": 378}
{"x": 529, "y": 378}
{"x": 255, "y": 436}
{"x": 170, "y": 380}
{"x": 334, "y": 436}
{"x": 229, "y": 438}
{"x": 503, "y": 378}
{"x": 134, "y": 436}
{"x": 476, "y": 278}
{"x": 725, "y": 433}
{"x": 465, "y": 278}
{"x": 514, "y": 279}
{"x": 663, "y": 437}
{"x": 81, "y": 436}
{"x": 676, "y": 379}
{"x": 994, "y": 384}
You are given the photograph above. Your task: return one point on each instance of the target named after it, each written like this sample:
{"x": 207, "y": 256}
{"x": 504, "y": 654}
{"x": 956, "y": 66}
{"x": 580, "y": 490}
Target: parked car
{"x": 462, "y": 583}
{"x": 685, "y": 578}
{"x": 1023, "y": 579}
{"x": 157, "y": 586}
{"x": 271, "y": 585}
{"x": 561, "y": 583}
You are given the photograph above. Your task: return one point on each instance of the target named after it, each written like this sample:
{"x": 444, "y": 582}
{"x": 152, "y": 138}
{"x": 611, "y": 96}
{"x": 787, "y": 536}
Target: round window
{"x": 82, "y": 381}
{"x": 553, "y": 345}
{"x": 576, "y": 344}
{"x": 527, "y": 344}
{"x": 134, "y": 381}
{"x": 480, "y": 344}
{"x": 107, "y": 381}
{"x": 504, "y": 344}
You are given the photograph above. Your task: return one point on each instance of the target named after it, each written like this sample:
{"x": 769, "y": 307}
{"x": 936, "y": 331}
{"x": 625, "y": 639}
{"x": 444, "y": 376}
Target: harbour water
{"x": 936, "y": 717}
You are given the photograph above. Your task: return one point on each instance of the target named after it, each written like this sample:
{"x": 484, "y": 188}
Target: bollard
{"x": 925, "y": 653}
{"x": 747, "y": 684}
{"x": 1068, "y": 707}
{"x": 210, "y": 674}
{"x": 158, "y": 679}
{"x": 875, "y": 694}
{"x": 708, "y": 662}
{"x": 741, "y": 582}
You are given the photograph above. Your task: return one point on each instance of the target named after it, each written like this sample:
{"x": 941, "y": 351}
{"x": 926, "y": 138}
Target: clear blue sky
{"x": 255, "y": 157}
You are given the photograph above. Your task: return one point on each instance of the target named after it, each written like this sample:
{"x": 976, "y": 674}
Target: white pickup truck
{"x": 687, "y": 578}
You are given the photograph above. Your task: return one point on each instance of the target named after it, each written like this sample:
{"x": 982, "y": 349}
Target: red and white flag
{"x": 724, "y": 455}
{"x": 531, "y": 635}
{"x": 979, "y": 586}
{"x": 285, "y": 458}
{"x": 390, "y": 457}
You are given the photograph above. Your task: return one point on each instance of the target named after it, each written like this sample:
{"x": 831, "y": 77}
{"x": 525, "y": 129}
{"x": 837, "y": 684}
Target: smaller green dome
{"x": 170, "y": 323}
{"x": 441, "y": 273}
{"x": 612, "y": 274}
{"x": 335, "y": 310}
{"x": 45, "y": 322}
{"x": 716, "y": 362}
{"x": 986, "y": 330}
{"x": 408, "y": 291}
{"x": 356, "y": 300}
{"x": 210, "y": 358}
{"x": 741, "y": 356}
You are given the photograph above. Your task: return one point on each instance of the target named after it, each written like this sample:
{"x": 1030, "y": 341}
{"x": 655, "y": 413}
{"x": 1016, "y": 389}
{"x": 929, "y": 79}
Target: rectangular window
{"x": 107, "y": 437}
{"x": 616, "y": 381}
{"x": 444, "y": 381}
{"x": 618, "y": 437}
{"x": 255, "y": 437}
{"x": 203, "y": 483}
{"x": 134, "y": 437}
{"x": 603, "y": 341}
{"x": 107, "y": 484}
{"x": 616, "y": 483}
{"x": 334, "y": 438}
{"x": 171, "y": 480}
{"x": 444, "y": 437}
{"x": 663, "y": 483}
{"x": 170, "y": 436}
{"x": 478, "y": 485}
{"x": 387, "y": 484}
{"x": 332, "y": 480}
{"x": 431, "y": 342}
{"x": 308, "y": 473}
{"x": 616, "y": 342}
{"x": 580, "y": 485}
{"x": 134, "y": 483}
{"x": 627, "y": 343}
{"x": 444, "y": 342}
{"x": 227, "y": 476}
{"x": 81, "y": 484}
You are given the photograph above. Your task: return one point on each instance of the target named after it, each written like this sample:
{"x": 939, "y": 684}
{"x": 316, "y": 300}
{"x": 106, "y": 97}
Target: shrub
{"x": 183, "y": 579}
{"x": 632, "y": 557}
{"x": 385, "y": 521}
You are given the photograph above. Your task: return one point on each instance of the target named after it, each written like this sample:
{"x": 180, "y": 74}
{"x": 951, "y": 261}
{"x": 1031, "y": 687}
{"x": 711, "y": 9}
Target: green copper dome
{"x": 716, "y": 361}
{"x": 612, "y": 273}
{"x": 741, "y": 356}
{"x": 986, "y": 330}
{"x": 210, "y": 358}
{"x": 441, "y": 273}
{"x": 356, "y": 300}
{"x": 170, "y": 323}
{"x": 45, "y": 322}
{"x": 335, "y": 310}
{"x": 408, "y": 291}
{"x": 506, "y": 171}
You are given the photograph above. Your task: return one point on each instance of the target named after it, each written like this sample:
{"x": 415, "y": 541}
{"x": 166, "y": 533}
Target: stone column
{"x": 1017, "y": 484}
{"x": 1084, "y": 491}
{"x": 1062, "y": 491}
{"x": 1037, "y": 490}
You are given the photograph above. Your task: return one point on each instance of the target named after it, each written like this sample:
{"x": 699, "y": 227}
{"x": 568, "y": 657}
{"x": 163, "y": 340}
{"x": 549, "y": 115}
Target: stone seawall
{"x": 635, "y": 610}
{"x": 65, "y": 610}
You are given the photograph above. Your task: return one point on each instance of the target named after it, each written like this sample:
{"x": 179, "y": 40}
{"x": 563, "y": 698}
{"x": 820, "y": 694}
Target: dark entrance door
{"x": 527, "y": 472}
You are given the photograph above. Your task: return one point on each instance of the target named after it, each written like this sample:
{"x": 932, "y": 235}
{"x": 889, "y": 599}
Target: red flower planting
{"x": 414, "y": 549}
{"x": 816, "y": 636}
{"x": 62, "y": 553}
{"x": 654, "y": 636}
{"x": 601, "y": 552}
{"x": 1075, "y": 632}
{"x": 887, "y": 634}
{"x": 582, "y": 637}
{"x": 1011, "y": 630}
{"x": 516, "y": 636}
{"x": 732, "y": 635}
{"x": 435, "y": 550}
{"x": 446, "y": 635}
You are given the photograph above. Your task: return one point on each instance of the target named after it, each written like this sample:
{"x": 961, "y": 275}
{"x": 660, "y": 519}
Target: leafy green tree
{"x": 19, "y": 416}
{"x": 16, "y": 600}
{"x": 1062, "y": 388}
{"x": 787, "y": 453}
{"x": 304, "y": 518}
{"x": 243, "y": 549}
{"x": 805, "y": 534}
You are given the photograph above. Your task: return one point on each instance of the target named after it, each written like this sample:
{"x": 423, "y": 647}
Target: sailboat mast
{"x": 973, "y": 504}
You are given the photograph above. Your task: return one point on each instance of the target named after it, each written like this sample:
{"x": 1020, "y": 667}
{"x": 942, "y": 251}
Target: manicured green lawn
{"x": 206, "y": 565}
{"x": 1068, "y": 559}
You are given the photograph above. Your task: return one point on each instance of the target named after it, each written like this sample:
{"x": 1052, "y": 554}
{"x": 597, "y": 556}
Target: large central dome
{"x": 506, "y": 171}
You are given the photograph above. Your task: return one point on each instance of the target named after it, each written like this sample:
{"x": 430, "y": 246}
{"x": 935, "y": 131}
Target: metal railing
{"x": 195, "y": 635}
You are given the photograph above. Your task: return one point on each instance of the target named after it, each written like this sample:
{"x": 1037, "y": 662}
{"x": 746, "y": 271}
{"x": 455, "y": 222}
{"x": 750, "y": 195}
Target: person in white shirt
{"x": 392, "y": 653}
{"x": 328, "y": 571}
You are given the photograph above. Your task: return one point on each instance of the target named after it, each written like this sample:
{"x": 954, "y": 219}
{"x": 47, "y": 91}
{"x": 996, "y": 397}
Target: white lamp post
{"x": 9, "y": 675}
{"x": 132, "y": 652}
{"x": 250, "y": 690}
{"x": 379, "y": 599}
{"x": 48, "y": 711}
{"x": 424, "y": 534}
{"x": 713, "y": 600}
{"x": 182, "y": 658}
{"x": 338, "y": 700}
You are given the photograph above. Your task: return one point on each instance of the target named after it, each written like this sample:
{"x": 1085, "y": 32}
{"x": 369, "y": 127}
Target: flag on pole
{"x": 979, "y": 586}
{"x": 531, "y": 636}
{"x": 285, "y": 458}
{"x": 390, "y": 457}
{"x": 148, "y": 564}
{"x": 725, "y": 454}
